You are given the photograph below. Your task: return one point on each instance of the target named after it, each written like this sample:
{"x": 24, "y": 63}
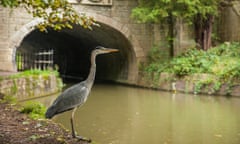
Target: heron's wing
{"x": 72, "y": 97}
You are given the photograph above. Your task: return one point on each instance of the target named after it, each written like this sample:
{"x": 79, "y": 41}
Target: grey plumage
{"x": 69, "y": 99}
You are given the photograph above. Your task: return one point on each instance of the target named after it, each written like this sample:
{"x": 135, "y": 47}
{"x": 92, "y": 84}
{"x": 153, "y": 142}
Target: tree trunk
{"x": 209, "y": 32}
{"x": 171, "y": 34}
{"x": 203, "y": 31}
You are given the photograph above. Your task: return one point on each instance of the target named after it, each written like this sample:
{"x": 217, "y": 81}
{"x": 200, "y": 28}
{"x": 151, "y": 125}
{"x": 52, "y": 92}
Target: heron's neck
{"x": 91, "y": 75}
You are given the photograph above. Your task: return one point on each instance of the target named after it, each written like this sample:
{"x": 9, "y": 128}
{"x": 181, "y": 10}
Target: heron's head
{"x": 103, "y": 50}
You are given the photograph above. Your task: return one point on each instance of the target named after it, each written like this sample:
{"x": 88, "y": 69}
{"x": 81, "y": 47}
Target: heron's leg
{"x": 72, "y": 125}
{"x": 73, "y": 130}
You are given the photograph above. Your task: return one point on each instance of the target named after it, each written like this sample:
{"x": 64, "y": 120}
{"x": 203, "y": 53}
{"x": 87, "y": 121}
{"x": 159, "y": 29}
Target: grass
{"x": 8, "y": 99}
{"x": 34, "y": 72}
{"x": 35, "y": 110}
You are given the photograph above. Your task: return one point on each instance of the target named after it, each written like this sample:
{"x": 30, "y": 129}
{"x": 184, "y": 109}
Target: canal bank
{"x": 17, "y": 128}
{"x": 192, "y": 84}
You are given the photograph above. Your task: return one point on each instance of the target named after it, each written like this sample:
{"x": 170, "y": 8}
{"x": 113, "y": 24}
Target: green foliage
{"x": 222, "y": 61}
{"x": 194, "y": 61}
{"x": 156, "y": 53}
{"x": 35, "y": 72}
{"x": 9, "y": 3}
{"x": 155, "y": 11}
{"x": 211, "y": 83}
{"x": 34, "y": 137}
{"x": 156, "y": 56}
{"x": 35, "y": 110}
{"x": 201, "y": 13}
{"x": 56, "y": 14}
{"x": 217, "y": 66}
{"x": 8, "y": 99}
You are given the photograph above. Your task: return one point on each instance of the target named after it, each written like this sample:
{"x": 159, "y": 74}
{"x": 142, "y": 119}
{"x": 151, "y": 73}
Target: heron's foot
{"x": 80, "y": 138}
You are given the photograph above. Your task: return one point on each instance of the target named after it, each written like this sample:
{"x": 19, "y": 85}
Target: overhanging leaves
{"x": 56, "y": 14}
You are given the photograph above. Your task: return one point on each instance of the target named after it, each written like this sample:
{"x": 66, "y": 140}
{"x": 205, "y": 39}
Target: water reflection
{"x": 117, "y": 114}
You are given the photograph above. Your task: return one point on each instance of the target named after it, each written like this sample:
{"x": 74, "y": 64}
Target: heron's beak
{"x": 110, "y": 50}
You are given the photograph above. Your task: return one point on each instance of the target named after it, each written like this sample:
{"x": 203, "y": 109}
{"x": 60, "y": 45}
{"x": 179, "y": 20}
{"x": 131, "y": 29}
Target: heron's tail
{"x": 51, "y": 111}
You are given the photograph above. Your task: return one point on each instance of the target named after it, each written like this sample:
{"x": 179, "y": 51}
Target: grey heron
{"x": 76, "y": 95}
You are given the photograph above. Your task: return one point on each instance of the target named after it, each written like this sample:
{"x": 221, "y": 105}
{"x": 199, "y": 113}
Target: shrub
{"x": 35, "y": 110}
{"x": 222, "y": 61}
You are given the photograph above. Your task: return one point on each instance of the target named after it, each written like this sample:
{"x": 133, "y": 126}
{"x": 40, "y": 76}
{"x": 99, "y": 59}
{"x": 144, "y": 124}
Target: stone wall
{"x": 228, "y": 23}
{"x": 30, "y": 86}
{"x": 10, "y": 22}
{"x": 193, "y": 84}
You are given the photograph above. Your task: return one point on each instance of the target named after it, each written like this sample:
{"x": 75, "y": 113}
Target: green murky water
{"x": 116, "y": 114}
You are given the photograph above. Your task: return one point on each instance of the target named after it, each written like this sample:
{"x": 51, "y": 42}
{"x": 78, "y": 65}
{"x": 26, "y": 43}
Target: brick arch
{"x": 17, "y": 38}
{"x": 137, "y": 50}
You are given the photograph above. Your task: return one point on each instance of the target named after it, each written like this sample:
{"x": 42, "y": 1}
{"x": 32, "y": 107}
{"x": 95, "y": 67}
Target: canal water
{"x": 116, "y": 114}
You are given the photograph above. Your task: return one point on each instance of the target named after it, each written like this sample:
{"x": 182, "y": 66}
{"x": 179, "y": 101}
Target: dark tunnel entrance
{"x": 72, "y": 49}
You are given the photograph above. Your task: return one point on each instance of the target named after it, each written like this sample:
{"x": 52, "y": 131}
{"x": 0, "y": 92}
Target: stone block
{"x": 3, "y": 46}
{"x": 165, "y": 86}
{"x": 235, "y": 91}
{"x": 180, "y": 86}
{"x": 102, "y": 3}
{"x": 6, "y": 66}
{"x": 223, "y": 90}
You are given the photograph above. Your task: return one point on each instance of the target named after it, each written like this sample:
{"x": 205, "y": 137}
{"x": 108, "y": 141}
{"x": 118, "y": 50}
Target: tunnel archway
{"x": 72, "y": 48}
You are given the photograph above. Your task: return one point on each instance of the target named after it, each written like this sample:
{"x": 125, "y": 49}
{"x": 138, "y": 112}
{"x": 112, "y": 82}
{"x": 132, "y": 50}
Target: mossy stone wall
{"x": 190, "y": 84}
{"x": 30, "y": 86}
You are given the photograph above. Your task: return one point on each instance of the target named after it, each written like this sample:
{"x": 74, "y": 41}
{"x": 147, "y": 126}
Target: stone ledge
{"x": 29, "y": 87}
{"x": 188, "y": 84}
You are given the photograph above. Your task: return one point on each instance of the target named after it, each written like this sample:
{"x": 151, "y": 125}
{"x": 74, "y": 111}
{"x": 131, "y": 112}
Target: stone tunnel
{"x": 72, "y": 49}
